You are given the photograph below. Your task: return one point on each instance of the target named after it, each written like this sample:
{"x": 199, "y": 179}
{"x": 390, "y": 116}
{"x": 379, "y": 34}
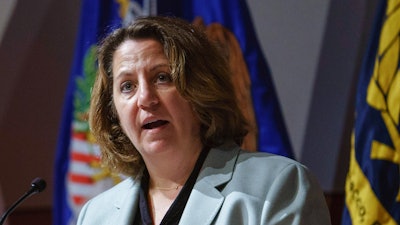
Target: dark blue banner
{"x": 373, "y": 183}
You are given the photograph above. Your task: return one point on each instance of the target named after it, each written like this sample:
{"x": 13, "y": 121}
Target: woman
{"x": 164, "y": 113}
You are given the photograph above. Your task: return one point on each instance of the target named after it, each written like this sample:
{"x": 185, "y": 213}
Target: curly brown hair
{"x": 201, "y": 75}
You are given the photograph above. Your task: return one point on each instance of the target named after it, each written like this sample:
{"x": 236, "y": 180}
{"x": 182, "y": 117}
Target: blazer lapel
{"x": 126, "y": 205}
{"x": 206, "y": 199}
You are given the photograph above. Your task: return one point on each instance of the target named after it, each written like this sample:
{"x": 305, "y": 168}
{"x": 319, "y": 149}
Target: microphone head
{"x": 38, "y": 185}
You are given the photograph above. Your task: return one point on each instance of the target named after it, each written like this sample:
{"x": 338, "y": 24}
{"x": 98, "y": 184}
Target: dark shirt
{"x": 175, "y": 211}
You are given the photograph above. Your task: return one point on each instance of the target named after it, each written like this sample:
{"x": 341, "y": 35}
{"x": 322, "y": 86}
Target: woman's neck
{"x": 167, "y": 177}
{"x": 171, "y": 171}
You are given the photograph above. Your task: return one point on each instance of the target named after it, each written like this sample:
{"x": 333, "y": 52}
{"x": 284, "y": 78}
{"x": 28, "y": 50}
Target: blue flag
{"x": 372, "y": 183}
{"x": 78, "y": 175}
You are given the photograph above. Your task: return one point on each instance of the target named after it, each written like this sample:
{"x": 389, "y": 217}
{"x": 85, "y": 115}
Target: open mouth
{"x": 154, "y": 124}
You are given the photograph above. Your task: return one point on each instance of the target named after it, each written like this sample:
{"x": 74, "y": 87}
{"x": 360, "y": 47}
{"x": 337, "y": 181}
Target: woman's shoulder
{"x": 254, "y": 163}
{"x": 230, "y": 151}
{"x": 262, "y": 161}
{"x": 125, "y": 186}
{"x": 266, "y": 157}
{"x": 101, "y": 209}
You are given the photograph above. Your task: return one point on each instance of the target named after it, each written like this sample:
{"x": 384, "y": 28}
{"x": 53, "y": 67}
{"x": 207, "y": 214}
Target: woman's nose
{"x": 147, "y": 97}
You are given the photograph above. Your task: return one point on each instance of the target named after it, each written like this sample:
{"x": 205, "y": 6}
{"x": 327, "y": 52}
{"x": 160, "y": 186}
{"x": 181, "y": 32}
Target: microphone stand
{"x": 38, "y": 185}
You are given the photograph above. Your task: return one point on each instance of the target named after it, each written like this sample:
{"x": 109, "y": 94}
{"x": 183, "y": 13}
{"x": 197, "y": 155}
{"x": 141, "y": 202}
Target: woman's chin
{"x": 156, "y": 147}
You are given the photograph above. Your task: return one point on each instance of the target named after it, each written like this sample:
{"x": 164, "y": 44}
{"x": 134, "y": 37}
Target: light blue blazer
{"x": 233, "y": 187}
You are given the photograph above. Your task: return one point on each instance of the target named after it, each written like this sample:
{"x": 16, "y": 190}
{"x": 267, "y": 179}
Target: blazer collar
{"x": 206, "y": 199}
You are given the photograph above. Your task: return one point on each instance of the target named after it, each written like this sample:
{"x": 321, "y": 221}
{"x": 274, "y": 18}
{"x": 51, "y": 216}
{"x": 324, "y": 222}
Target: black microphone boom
{"x": 38, "y": 185}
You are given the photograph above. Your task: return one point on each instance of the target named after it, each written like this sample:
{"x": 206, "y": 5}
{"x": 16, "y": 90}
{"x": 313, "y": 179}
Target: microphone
{"x": 37, "y": 185}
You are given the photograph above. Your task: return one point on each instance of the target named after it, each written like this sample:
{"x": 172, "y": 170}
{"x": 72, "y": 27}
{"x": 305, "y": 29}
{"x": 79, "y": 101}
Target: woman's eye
{"x": 126, "y": 87}
{"x": 164, "y": 78}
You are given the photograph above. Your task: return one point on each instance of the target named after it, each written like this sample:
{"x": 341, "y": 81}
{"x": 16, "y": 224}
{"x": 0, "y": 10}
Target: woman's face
{"x": 152, "y": 113}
